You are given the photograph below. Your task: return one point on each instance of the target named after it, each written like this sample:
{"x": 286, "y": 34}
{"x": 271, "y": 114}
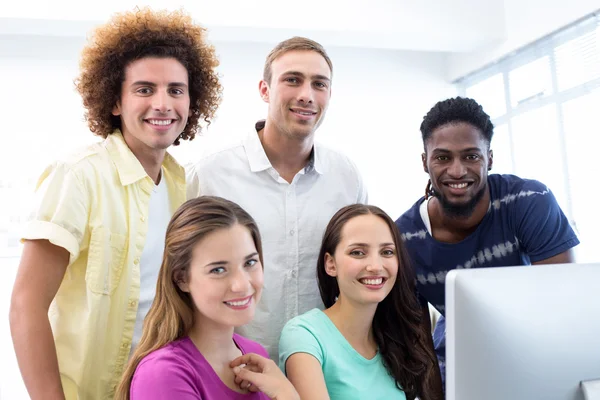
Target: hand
{"x": 263, "y": 374}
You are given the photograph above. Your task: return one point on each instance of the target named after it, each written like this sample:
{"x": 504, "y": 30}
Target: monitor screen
{"x": 522, "y": 333}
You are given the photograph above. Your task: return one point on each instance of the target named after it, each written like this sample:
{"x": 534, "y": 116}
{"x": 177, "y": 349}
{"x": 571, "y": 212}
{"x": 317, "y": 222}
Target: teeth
{"x": 304, "y": 113}
{"x": 377, "y": 281}
{"x": 160, "y": 121}
{"x": 458, "y": 185}
{"x": 238, "y": 303}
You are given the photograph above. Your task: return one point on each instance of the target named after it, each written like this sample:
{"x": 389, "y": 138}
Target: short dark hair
{"x": 455, "y": 110}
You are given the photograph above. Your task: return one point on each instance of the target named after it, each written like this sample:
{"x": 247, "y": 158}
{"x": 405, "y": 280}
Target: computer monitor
{"x": 522, "y": 333}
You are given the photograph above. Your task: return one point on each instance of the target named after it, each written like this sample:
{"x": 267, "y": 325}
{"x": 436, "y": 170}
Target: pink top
{"x": 179, "y": 371}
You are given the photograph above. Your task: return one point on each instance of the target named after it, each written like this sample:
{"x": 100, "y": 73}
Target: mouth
{"x": 239, "y": 304}
{"x": 160, "y": 123}
{"x": 458, "y": 188}
{"x": 303, "y": 113}
{"x": 373, "y": 282}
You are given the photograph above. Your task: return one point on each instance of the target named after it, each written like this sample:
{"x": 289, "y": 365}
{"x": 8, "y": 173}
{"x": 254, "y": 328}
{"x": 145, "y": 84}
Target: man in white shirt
{"x": 291, "y": 185}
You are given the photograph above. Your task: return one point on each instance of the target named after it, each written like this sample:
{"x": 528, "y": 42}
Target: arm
{"x": 305, "y": 373}
{"x": 562, "y": 258}
{"x": 39, "y": 276}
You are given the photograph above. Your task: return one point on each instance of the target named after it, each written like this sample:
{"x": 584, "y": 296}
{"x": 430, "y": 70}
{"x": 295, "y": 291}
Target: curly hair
{"x": 130, "y": 36}
{"x": 454, "y": 110}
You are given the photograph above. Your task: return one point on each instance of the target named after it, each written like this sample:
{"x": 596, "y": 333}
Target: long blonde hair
{"x": 171, "y": 315}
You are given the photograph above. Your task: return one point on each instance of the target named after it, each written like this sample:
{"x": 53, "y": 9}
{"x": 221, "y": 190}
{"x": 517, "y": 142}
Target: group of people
{"x": 261, "y": 271}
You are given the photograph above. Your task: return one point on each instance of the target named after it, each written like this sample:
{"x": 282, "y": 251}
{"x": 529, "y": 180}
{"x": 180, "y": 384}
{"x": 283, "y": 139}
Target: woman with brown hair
{"x": 368, "y": 343}
{"x": 210, "y": 281}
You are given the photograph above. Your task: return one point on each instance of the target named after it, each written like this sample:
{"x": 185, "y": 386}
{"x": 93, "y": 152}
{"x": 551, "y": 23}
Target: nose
{"x": 375, "y": 264}
{"x": 306, "y": 93}
{"x": 457, "y": 168}
{"x": 240, "y": 282}
{"x": 161, "y": 102}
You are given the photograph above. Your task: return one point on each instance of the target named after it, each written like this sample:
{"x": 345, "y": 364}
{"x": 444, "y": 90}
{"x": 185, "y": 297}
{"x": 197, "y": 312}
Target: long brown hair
{"x": 397, "y": 322}
{"x": 171, "y": 315}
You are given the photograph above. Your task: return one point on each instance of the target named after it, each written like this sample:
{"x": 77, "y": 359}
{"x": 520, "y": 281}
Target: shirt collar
{"x": 260, "y": 162}
{"x": 129, "y": 168}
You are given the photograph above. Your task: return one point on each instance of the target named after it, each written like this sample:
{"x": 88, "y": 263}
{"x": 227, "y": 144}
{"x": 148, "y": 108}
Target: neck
{"x": 215, "y": 342}
{"x": 151, "y": 159}
{"x": 288, "y": 155}
{"x": 355, "y": 322}
{"x": 461, "y": 225}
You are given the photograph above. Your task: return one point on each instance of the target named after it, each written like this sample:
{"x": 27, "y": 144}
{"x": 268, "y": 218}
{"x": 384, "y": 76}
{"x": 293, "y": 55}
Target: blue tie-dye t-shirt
{"x": 524, "y": 224}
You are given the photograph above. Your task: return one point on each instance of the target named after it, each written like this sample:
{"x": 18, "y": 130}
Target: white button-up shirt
{"x": 291, "y": 217}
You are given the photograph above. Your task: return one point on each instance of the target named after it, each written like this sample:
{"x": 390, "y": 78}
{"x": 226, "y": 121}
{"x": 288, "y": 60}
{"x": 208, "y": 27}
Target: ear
{"x": 263, "y": 89}
{"x": 491, "y": 159}
{"x": 424, "y": 160}
{"x": 116, "y": 111}
{"x": 330, "y": 267}
{"x": 180, "y": 280}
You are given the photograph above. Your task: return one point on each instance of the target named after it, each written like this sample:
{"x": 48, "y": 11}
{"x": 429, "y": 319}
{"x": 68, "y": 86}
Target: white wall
{"x": 378, "y": 100}
{"x": 526, "y": 21}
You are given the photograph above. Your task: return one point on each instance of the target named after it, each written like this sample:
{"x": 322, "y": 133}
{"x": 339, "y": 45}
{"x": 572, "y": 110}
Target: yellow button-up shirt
{"x": 95, "y": 205}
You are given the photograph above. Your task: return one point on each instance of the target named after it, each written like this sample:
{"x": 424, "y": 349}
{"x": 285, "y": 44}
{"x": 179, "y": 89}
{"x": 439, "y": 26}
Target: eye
{"x": 251, "y": 263}
{"x": 177, "y": 91}
{"x": 442, "y": 158}
{"x": 321, "y": 85}
{"x": 217, "y": 270}
{"x": 291, "y": 80}
{"x": 473, "y": 157}
{"x": 144, "y": 90}
{"x": 388, "y": 252}
{"x": 357, "y": 253}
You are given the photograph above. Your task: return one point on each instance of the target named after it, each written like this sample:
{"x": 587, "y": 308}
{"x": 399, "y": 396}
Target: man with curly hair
{"x": 93, "y": 247}
{"x": 291, "y": 185}
{"x": 471, "y": 219}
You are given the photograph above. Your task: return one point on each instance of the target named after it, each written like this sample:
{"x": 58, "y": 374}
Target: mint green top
{"x": 348, "y": 375}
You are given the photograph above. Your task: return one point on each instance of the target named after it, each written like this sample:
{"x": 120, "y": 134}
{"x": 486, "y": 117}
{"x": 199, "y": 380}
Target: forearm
{"x": 36, "y": 353}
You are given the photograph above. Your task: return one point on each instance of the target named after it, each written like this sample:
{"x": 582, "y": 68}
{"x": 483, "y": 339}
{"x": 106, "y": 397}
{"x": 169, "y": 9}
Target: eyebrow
{"x": 152, "y": 84}
{"x": 300, "y": 74}
{"x": 221, "y": 263}
{"x": 366, "y": 245}
{"x": 469, "y": 150}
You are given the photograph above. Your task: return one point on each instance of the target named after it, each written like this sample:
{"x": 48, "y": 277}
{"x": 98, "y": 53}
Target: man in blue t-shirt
{"x": 469, "y": 219}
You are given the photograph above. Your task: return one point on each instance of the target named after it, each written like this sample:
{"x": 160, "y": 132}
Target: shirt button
{"x": 292, "y": 232}
{"x": 293, "y": 273}
{"x": 132, "y": 303}
{"x": 136, "y": 261}
{"x": 142, "y": 218}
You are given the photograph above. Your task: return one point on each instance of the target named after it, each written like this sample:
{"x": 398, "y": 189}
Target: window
{"x": 546, "y": 119}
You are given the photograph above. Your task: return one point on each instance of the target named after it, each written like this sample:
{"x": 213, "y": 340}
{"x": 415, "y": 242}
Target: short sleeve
{"x": 543, "y": 229}
{"x": 297, "y": 337}
{"x": 61, "y": 210}
{"x": 163, "y": 379}
{"x": 192, "y": 182}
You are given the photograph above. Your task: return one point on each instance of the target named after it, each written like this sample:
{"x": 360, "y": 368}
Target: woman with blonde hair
{"x": 209, "y": 283}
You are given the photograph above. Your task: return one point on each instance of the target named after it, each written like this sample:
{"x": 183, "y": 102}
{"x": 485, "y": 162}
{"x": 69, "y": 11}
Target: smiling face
{"x": 154, "y": 104}
{"x": 365, "y": 262}
{"x": 298, "y": 94}
{"x": 457, "y": 159}
{"x": 225, "y": 278}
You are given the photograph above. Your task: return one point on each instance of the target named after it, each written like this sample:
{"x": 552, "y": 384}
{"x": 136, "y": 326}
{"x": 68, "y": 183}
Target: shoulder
{"x": 249, "y": 346}
{"x": 511, "y": 189}
{"x": 411, "y": 219}
{"x": 310, "y": 324}
{"x": 335, "y": 159}
{"x": 167, "y": 364}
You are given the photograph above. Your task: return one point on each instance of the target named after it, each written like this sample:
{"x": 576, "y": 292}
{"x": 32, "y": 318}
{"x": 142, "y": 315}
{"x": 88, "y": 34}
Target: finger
{"x": 254, "y": 378}
{"x": 250, "y": 358}
{"x": 253, "y": 388}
